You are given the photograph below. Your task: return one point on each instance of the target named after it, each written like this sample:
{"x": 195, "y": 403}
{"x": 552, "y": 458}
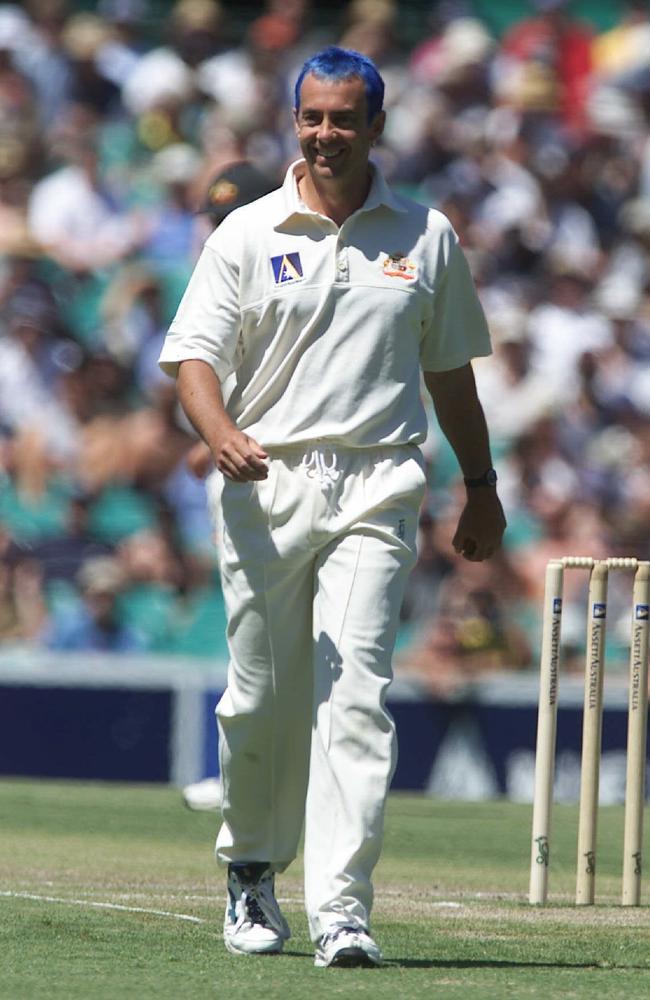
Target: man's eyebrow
{"x": 334, "y": 111}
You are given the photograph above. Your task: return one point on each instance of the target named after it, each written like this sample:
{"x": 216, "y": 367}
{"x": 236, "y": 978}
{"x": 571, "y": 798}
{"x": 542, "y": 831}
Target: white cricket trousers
{"x": 313, "y": 562}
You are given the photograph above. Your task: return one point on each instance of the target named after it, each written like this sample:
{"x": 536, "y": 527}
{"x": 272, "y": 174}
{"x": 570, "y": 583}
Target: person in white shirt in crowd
{"x": 72, "y": 213}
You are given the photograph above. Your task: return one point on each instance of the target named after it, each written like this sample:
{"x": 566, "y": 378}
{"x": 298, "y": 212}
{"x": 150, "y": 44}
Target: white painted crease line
{"x": 103, "y": 906}
{"x": 461, "y": 894}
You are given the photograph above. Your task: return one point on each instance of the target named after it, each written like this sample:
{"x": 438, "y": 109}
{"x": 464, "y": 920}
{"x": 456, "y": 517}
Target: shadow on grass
{"x": 425, "y": 963}
{"x": 440, "y": 963}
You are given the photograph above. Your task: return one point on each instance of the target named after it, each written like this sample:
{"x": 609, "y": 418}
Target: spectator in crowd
{"x": 563, "y": 46}
{"x": 422, "y": 594}
{"x": 473, "y": 631}
{"x": 62, "y": 555}
{"x": 23, "y": 610}
{"x": 95, "y": 623}
{"x": 33, "y": 361}
{"x": 74, "y": 216}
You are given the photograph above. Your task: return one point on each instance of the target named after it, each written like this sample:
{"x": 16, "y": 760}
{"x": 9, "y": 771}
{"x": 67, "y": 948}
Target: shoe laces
{"x": 330, "y": 936}
{"x": 256, "y": 903}
{"x": 251, "y": 910}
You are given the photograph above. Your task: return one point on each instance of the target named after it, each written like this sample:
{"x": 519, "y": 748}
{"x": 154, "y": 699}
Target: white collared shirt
{"x": 322, "y": 330}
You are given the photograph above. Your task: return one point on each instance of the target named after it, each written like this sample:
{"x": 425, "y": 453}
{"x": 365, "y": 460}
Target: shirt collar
{"x": 292, "y": 203}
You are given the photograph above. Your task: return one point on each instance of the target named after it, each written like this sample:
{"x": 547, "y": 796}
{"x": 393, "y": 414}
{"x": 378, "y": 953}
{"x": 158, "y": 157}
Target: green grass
{"x": 451, "y": 911}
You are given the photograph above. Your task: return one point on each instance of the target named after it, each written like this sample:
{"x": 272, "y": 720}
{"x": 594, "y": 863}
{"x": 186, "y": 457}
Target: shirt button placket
{"x": 342, "y": 268}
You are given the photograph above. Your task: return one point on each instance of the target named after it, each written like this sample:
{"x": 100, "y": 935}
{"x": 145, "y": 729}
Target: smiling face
{"x": 333, "y": 130}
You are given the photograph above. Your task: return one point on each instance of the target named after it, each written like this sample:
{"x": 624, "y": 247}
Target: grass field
{"x": 111, "y": 892}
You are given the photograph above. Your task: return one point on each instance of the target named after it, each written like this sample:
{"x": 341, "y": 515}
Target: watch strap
{"x": 489, "y": 478}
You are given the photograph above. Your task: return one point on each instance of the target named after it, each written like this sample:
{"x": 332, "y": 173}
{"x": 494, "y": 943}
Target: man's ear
{"x": 295, "y": 120}
{"x": 377, "y": 125}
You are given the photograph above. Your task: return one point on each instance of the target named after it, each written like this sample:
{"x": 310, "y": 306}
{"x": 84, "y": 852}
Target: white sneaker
{"x": 347, "y": 946}
{"x": 204, "y": 794}
{"x": 254, "y": 924}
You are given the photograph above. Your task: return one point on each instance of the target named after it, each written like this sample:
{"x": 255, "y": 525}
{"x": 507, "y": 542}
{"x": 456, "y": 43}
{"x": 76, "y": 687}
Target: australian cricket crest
{"x": 396, "y": 265}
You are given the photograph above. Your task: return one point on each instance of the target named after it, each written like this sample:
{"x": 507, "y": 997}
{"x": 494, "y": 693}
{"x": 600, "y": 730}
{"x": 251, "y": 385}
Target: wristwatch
{"x": 489, "y": 478}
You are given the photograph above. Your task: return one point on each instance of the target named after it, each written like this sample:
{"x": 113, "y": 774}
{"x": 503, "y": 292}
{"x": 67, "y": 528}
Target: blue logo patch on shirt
{"x": 600, "y": 611}
{"x": 642, "y": 612}
{"x": 286, "y": 268}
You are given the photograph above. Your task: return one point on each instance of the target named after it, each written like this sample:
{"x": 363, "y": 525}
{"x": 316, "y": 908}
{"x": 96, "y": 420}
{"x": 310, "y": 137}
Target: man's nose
{"x": 326, "y": 129}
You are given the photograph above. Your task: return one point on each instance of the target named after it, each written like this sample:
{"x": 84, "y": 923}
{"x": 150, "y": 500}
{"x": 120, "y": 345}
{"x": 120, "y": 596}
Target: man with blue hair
{"x": 298, "y": 349}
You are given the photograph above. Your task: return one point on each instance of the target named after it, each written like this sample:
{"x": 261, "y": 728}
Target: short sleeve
{"x": 457, "y": 331}
{"x": 207, "y": 324}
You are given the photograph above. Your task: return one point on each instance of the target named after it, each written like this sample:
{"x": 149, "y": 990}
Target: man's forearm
{"x": 237, "y": 455}
{"x": 461, "y": 418}
{"x": 199, "y": 393}
{"x": 460, "y": 414}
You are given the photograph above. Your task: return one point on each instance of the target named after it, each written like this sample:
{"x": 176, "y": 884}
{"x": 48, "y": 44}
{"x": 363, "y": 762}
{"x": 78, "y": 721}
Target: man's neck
{"x": 338, "y": 204}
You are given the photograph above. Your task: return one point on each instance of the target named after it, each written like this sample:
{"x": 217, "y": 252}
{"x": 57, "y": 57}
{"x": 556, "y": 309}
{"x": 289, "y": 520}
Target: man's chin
{"x": 327, "y": 171}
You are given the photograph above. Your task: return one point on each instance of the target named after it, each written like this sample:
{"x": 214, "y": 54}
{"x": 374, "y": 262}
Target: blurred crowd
{"x": 113, "y": 123}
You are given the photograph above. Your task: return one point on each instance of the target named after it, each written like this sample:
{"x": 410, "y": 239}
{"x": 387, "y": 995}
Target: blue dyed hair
{"x": 334, "y": 63}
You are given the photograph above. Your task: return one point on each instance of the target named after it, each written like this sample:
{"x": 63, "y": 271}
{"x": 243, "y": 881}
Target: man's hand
{"x": 199, "y": 459}
{"x": 239, "y": 456}
{"x": 480, "y": 526}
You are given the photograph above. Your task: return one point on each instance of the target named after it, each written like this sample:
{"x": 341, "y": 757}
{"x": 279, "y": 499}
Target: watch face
{"x": 491, "y": 477}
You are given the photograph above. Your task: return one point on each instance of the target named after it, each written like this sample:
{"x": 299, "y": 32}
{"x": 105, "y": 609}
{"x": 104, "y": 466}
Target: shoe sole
{"x": 352, "y": 958}
{"x": 274, "y": 949}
